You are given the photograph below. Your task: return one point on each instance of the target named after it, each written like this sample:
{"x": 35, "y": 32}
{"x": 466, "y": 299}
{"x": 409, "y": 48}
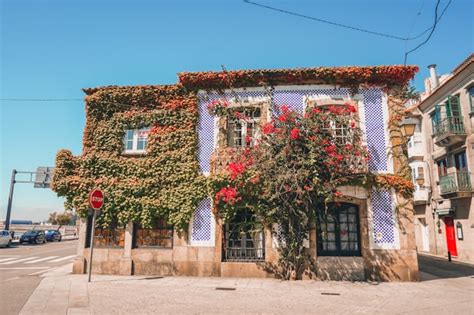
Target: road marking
{"x": 41, "y": 259}
{"x": 39, "y": 272}
{"x": 14, "y": 278}
{"x": 22, "y": 268}
{"x": 62, "y": 258}
{"x": 17, "y": 261}
{"x": 7, "y": 259}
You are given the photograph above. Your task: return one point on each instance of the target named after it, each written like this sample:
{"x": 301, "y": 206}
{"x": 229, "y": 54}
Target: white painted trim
{"x": 134, "y": 149}
{"x": 388, "y": 146}
{"x": 361, "y": 111}
{"x": 215, "y": 131}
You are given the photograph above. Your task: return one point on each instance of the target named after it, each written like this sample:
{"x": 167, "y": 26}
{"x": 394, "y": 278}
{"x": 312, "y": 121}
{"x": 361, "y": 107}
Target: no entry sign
{"x": 96, "y": 199}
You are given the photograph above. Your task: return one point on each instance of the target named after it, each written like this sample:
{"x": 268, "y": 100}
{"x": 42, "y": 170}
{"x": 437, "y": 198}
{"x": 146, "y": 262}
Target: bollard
{"x": 449, "y": 256}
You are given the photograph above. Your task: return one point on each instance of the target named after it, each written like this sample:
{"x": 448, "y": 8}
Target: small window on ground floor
{"x": 243, "y": 238}
{"x": 338, "y": 231}
{"x": 160, "y": 235}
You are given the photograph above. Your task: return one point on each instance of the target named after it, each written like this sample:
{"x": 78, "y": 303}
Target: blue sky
{"x": 52, "y": 49}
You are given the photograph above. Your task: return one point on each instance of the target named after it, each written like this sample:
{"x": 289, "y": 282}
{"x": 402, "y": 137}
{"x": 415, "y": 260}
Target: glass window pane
{"x": 129, "y": 135}
{"x": 331, "y": 246}
{"x": 141, "y": 145}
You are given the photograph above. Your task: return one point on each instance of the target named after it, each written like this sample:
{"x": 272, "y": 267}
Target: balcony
{"x": 449, "y": 131}
{"x": 420, "y": 196}
{"x": 415, "y": 146}
{"x": 455, "y": 185}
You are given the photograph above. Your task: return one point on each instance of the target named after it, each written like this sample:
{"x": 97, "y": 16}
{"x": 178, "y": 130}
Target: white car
{"x": 5, "y": 238}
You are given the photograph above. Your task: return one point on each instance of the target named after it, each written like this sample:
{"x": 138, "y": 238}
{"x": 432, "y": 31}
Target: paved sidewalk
{"x": 62, "y": 293}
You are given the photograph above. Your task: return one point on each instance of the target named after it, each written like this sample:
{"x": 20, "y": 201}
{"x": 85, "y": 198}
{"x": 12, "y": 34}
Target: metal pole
{"x": 91, "y": 247}
{"x": 10, "y": 200}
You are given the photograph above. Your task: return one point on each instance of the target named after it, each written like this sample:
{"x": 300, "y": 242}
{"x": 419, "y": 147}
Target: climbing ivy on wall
{"x": 165, "y": 182}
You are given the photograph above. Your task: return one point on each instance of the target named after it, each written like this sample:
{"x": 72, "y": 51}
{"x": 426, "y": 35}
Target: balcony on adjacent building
{"x": 449, "y": 131}
{"x": 420, "y": 196}
{"x": 455, "y": 185}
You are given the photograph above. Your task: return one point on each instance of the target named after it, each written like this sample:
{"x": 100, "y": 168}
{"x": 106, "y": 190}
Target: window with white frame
{"x": 341, "y": 133}
{"x": 418, "y": 176}
{"x": 135, "y": 140}
{"x": 243, "y": 130}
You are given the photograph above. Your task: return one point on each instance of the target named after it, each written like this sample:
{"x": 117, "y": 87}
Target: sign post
{"x": 96, "y": 201}
{"x": 43, "y": 177}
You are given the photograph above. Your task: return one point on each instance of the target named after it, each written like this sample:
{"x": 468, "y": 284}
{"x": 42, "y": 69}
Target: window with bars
{"x": 135, "y": 140}
{"x": 243, "y": 238}
{"x": 112, "y": 236}
{"x": 160, "y": 235}
{"x": 338, "y": 231}
{"x": 243, "y": 129}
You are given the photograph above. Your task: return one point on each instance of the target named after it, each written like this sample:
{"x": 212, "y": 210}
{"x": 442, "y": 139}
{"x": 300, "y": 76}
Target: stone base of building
{"x": 182, "y": 258}
{"x": 381, "y": 265}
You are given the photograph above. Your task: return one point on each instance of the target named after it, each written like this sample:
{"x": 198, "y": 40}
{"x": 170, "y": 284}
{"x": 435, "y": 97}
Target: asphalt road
{"x": 21, "y": 267}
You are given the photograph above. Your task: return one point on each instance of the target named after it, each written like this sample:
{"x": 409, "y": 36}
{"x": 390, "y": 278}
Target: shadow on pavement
{"x": 441, "y": 268}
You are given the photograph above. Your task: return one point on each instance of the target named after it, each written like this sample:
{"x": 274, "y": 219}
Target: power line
{"x": 64, "y": 100}
{"x": 354, "y": 28}
{"x": 41, "y": 99}
{"x": 430, "y": 28}
{"x": 429, "y": 36}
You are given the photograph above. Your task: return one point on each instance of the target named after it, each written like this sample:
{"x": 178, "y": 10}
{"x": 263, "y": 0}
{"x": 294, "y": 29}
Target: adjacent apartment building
{"x": 441, "y": 154}
{"x": 149, "y": 143}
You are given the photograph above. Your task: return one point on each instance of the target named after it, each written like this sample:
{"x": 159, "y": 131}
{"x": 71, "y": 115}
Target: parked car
{"x": 33, "y": 236}
{"x": 5, "y": 238}
{"x": 53, "y": 235}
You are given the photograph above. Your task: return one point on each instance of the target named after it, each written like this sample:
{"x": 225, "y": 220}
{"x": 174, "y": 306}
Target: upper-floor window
{"x": 460, "y": 161}
{"x": 470, "y": 92}
{"x": 341, "y": 133}
{"x": 243, "y": 130}
{"x": 418, "y": 176}
{"x": 442, "y": 167}
{"x": 135, "y": 140}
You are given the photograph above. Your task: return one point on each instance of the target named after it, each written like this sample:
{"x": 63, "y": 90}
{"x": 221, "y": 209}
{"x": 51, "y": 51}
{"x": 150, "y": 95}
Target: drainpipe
{"x": 433, "y": 77}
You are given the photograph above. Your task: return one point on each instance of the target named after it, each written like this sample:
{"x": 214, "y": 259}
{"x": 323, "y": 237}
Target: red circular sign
{"x": 96, "y": 199}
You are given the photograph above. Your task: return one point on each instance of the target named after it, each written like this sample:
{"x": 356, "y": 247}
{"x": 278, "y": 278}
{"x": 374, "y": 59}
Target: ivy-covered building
{"x": 153, "y": 150}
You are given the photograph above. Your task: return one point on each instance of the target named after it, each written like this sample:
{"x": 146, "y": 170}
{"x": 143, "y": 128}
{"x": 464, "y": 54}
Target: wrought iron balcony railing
{"x": 449, "y": 125}
{"x": 459, "y": 181}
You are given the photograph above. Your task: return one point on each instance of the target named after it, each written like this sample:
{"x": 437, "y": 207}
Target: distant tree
{"x": 52, "y": 218}
{"x": 64, "y": 218}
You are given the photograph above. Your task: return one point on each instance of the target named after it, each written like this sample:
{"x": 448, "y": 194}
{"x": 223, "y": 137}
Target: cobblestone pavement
{"x": 71, "y": 294}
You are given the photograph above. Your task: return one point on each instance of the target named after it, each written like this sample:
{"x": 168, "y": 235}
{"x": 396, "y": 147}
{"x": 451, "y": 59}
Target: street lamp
{"x": 407, "y": 127}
